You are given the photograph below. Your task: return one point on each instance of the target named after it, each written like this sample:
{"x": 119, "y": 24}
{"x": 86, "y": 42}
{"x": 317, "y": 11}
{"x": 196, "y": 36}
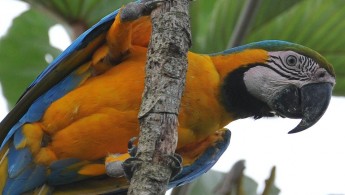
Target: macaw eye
{"x": 291, "y": 60}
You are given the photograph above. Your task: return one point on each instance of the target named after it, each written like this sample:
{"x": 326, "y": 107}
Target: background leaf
{"x": 215, "y": 22}
{"x": 23, "y": 51}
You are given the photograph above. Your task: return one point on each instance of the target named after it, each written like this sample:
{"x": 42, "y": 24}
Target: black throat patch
{"x": 238, "y": 101}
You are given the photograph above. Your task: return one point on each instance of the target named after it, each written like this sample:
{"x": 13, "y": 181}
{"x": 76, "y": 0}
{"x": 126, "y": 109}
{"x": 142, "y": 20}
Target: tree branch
{"x": 166, "y": 67}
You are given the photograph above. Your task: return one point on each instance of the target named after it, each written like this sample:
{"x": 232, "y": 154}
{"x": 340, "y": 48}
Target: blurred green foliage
{"x": 23, "y": 51}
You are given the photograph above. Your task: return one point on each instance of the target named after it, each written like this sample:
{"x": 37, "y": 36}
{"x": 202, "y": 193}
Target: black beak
{"x": 314, "y": 102}
{"x": 308, "y": 103}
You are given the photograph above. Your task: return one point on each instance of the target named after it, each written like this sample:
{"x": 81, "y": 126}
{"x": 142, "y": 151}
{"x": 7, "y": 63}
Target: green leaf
{"x": 215, "y": 23}
{"x": 269, "y": 9}
{"x": 200, "y": 19}
{"x": 23, "y": 51}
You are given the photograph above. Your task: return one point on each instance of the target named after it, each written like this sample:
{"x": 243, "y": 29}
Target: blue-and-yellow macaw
{"x": 84, "y": 106}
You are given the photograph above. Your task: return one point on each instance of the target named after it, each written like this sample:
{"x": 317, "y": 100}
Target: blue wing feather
{"x": 18, "y": 160}
{"x": 23, "y": 172}
{"x": 18, "y": 137}
{"x": 32, "y": 176}
{"x": 61, "y": 175}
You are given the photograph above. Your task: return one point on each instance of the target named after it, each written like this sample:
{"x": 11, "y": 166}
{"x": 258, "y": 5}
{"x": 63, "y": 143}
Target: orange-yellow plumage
{"x": 228, "y": 63}
{"x": 33, "y": 135}
{"x": 99, "y": 117}
{"x": 103, "y": 110}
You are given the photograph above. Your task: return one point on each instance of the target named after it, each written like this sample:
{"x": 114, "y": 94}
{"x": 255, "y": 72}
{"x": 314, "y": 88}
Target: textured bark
{"x": 164, "y": 83}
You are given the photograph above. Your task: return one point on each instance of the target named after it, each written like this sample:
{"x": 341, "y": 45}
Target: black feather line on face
{"x": 238, "y": 101}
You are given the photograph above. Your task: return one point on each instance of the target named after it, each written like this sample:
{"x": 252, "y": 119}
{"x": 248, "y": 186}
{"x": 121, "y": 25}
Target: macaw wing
{"x": 73, "y": 57}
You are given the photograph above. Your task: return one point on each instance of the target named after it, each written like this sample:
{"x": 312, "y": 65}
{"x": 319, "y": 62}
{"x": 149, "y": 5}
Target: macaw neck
{"x": 233, "y": 93}
{"x": 226, "y": 63}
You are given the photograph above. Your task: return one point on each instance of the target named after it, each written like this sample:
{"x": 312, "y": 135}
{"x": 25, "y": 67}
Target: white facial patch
{"x": 263, "y": 83}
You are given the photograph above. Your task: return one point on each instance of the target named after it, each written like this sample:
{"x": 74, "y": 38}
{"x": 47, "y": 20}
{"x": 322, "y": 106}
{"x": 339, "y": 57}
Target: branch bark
{"x": 166, "y": 68}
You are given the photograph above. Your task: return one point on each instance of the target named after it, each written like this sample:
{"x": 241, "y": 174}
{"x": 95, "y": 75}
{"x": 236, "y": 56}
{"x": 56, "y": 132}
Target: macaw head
{"x": 290, "y": 81}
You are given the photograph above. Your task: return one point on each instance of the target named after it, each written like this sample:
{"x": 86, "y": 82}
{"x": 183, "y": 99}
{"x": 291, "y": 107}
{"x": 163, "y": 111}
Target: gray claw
{"x": 130, "y": 165}
{"x": 132, "y": 149}
{"x": 135, "y": 10}
{"x": 151, "y": 5}
{"x": 175, "y": 162}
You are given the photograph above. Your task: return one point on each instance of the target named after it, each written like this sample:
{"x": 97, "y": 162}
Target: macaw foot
{"x": 174, "y": 161}
{"x": 113, "y": 162}
{"x": 130, "y": 165}
{"x": 135, "y": 10}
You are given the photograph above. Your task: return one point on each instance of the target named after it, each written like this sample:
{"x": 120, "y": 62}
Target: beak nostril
{"x": 322, "y": 74}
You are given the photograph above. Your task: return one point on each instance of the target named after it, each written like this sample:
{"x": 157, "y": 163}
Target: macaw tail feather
{"x": 3, "y": 166}
{"x": 21, "y": 172}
